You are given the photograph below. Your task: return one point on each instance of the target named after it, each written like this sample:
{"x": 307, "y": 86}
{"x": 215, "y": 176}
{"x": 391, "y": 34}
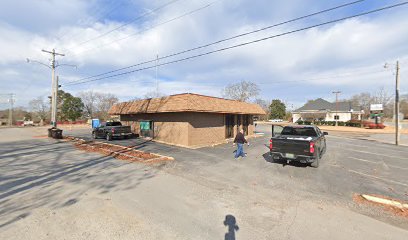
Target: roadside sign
{"x": 372, "y": 115}
{"x": 376, "y": 107}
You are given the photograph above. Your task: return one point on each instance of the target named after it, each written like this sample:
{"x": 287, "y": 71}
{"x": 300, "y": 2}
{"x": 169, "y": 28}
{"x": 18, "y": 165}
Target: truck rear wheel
{"x": 315, "y": 164}
{"x": 108, "y": 137}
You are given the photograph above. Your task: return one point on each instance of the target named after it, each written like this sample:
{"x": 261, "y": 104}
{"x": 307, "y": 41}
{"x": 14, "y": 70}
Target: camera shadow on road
{"x": 34, "y": 172}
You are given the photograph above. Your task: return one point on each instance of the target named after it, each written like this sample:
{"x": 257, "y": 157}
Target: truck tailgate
{"x": 122, "y": 129}
{"x": 297, "y": 147}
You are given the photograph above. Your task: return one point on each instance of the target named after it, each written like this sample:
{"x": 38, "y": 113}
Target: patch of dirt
{"x": 119, "y": 152}
{"x": 41, "y": 136}
{"x": 402, "y": 212}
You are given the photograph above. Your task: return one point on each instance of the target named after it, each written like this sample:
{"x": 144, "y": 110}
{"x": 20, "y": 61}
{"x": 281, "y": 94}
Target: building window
{"x": 336, "y": 117}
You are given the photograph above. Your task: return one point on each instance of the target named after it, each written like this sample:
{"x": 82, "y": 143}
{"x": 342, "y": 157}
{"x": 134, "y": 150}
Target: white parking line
{"x": 383, "y": 179}
{"x": 370, "y": 146}
{"x": 389, "y": 165}
{"x": 378, "y": 154}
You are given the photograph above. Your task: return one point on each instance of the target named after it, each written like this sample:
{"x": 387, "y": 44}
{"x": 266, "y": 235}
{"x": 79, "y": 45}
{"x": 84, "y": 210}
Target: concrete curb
{"x": 385, "y": 201}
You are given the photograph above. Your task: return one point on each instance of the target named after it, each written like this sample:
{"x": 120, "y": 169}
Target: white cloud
{"x": 321, "y": 57}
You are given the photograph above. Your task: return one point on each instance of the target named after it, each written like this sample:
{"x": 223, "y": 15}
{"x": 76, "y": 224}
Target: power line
{"x": 152, "y": 27}
{"x": 223, "y": 40}
{"x": 126, "y": 24}
{"x": 325, "y": 78}
{"x": 243, "y": 44}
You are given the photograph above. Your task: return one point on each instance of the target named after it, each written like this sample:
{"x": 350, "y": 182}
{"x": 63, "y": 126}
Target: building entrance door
{"x": 146, "y": 128}
{"x": 245, "y": 124}
{"x": 229, "y": 126}
{"x": 239, "y": 122}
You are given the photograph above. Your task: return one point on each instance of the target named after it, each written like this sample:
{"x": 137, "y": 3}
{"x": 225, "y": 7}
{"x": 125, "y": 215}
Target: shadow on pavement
{"x": 42, "y": 173}
{"x": 231, "y": 223}
{"x": 283, "y": 162}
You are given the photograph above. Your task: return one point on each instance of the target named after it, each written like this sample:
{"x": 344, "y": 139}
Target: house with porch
{"x": 323, "y": 110}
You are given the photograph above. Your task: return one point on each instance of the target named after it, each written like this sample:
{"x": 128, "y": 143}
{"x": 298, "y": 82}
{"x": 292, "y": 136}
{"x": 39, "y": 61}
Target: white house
{"x": 323, "y": 110}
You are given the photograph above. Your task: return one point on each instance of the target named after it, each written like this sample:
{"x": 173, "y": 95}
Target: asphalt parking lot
{"x": 48, "y": 189}
{"x": 350, "y": 165}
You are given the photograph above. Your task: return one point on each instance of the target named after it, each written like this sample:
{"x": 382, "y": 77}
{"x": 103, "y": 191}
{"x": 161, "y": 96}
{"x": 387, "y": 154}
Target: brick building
{"x": 189, "y": 120}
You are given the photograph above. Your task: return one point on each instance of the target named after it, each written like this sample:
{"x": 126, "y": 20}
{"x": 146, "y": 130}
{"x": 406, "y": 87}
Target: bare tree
{"x": 97, "y": 105}
{"x": 381, "y": 96}
{"x": 104, "y": 102}
{"x": 89, "y": 98}
{"x": 40, "y": 107}
{"x": 265, "y": 106}
{"x": 362, "y": 99}
{"x": 242, "y": 91}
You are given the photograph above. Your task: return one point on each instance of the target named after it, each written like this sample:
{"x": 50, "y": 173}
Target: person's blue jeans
{"x": 240, "y": 150}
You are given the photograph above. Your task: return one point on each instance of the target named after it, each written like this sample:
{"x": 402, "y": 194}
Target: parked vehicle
{"x": 305, "y": 144}
{"x": 28, "y": 123}
{"x": 110, "y": 130}
{"x": 276, "y": 120}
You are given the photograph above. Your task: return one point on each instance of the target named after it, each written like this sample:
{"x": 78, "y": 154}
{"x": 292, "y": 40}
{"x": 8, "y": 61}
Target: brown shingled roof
{"x": 186, "y": 102}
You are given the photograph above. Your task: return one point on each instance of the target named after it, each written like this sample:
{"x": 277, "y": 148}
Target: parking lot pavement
{"x": 349, "y": 166}
{"x": 48, "y": 189}
{"x": 388, "y": 138}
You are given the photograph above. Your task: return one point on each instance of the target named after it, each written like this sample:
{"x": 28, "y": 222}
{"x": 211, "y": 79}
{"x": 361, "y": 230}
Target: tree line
{"x": 247, "y": 91}
{"x": 381, "y": 96}
{"x": 86, "y": 105}
{"x": 89, "y": 104}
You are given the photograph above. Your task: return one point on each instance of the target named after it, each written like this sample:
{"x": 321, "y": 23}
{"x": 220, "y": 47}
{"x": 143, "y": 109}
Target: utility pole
{"x": 54, "y": 87}
{"x": 157, "y": 80}
{"x": 10, "y": 117}
{"x": 397, "y": 133}
{"x": 336, "y": 117}
{"x": 397, "y": 105}
{"x": 55, "y": 107}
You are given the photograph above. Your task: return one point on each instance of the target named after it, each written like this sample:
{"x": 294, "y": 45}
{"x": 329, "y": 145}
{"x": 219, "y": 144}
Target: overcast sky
{"x": 348, "y": 56}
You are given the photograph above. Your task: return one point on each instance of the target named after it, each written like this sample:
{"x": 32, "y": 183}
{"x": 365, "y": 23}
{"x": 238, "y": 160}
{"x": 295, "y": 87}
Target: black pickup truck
{"x": 109, "y": 130}
{"x": 305, "y": 144}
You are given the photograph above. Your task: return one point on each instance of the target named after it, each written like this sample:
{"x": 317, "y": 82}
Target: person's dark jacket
{"x": 240, "y": 138}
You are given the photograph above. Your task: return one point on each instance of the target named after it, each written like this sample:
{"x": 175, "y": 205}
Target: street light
{"x": 336, "y": 117}
{"x": 55, "y": 86}
{"x": 35, "y": 61}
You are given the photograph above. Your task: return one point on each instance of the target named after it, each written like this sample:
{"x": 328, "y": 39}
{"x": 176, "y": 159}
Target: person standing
{"x": 240, "y": 141}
